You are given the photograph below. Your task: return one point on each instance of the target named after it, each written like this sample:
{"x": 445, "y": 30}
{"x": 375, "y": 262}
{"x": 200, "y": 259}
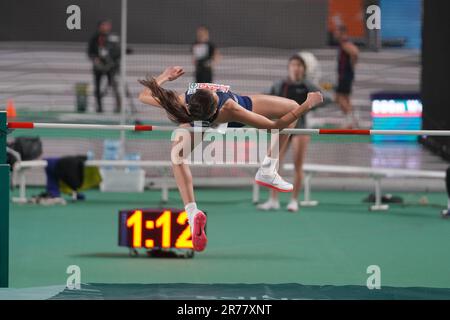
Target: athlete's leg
{"x": 299, "y": 146}
{"x": 183, "y": 144}
{"x": 272, "y": 203}
{"x": 282, "y": 157}
{"x": 97, "y": 90}
{"x": 347, "y": 104}
{"x": 114, "y": 84}
{"x": 273, "y": 107}
{"x": 344, "y": 102}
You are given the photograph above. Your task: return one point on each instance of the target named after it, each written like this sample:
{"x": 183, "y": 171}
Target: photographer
{"x": 104, "y": 51}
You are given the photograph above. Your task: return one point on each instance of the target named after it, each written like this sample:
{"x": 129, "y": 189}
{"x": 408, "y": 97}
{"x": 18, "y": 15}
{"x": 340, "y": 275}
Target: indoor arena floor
{"x": 327, "y": 247}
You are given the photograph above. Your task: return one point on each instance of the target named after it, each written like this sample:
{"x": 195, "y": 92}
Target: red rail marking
{"x": 344, "y": 131}
{"x": 143, "y": 127}
{"x": 20, "y": 125}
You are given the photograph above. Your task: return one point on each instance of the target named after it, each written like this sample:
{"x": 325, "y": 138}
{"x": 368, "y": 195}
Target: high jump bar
{"x": 119, "y": 127}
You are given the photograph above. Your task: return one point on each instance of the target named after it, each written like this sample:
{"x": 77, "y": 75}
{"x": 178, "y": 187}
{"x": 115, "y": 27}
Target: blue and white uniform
{"x": 224, "y": 93}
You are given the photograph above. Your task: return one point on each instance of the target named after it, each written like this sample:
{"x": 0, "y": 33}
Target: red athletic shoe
{"x": 199, "y": 239}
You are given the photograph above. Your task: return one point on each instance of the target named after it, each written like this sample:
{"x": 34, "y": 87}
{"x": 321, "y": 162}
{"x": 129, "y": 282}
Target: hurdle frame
{"x": 4, "y": 204}
{"x": 311, "y": 170}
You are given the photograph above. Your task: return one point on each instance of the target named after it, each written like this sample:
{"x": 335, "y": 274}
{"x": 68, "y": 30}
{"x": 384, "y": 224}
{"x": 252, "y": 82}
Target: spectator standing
{"x": 204, "y": 55}
{"x": 346, "y": 61}
{"x": 104, "y": 51}
{"x": 296, "y": 87}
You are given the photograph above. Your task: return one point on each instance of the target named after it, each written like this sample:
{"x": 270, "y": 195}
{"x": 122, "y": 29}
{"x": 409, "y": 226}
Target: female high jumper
{"x": 215, "y": 104}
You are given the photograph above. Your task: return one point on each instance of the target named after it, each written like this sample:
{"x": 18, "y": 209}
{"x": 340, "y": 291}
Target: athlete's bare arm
{"x": 170, "y": 74}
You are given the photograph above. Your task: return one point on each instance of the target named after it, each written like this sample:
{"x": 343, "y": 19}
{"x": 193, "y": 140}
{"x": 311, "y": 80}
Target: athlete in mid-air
{"x": 216, "y": 104}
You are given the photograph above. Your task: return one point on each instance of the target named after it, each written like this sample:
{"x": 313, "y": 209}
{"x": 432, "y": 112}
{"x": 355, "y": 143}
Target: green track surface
{"x": 331, "y": 244}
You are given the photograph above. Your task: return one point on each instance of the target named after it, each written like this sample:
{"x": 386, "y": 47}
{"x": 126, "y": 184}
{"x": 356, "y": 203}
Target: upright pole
{"x": 373, "y": 37}
{"x": 4, "y": 205}
{"x": 123, "y": 72}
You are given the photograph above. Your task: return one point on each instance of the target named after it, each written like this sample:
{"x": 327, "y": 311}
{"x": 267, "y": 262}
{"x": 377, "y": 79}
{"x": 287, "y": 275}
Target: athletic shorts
{"x": 344, "y": 86}
{"x": 243, "y": 101}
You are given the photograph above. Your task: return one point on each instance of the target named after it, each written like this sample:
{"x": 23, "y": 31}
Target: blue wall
{"x": 402, "y": 19}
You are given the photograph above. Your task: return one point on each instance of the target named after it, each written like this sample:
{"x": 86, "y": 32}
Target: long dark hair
{"x": 202, "y": 105}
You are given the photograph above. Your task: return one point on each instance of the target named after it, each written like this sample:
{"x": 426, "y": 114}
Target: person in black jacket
{"x": 104, "y": 51}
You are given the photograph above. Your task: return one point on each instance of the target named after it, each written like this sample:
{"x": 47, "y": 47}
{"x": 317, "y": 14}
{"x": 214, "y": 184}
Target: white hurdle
{"x": 81, "y": 126}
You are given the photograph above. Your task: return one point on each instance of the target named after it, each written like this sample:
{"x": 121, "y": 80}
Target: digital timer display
{"x": 154, "y": 228}
{"x": 396, "y": 111}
